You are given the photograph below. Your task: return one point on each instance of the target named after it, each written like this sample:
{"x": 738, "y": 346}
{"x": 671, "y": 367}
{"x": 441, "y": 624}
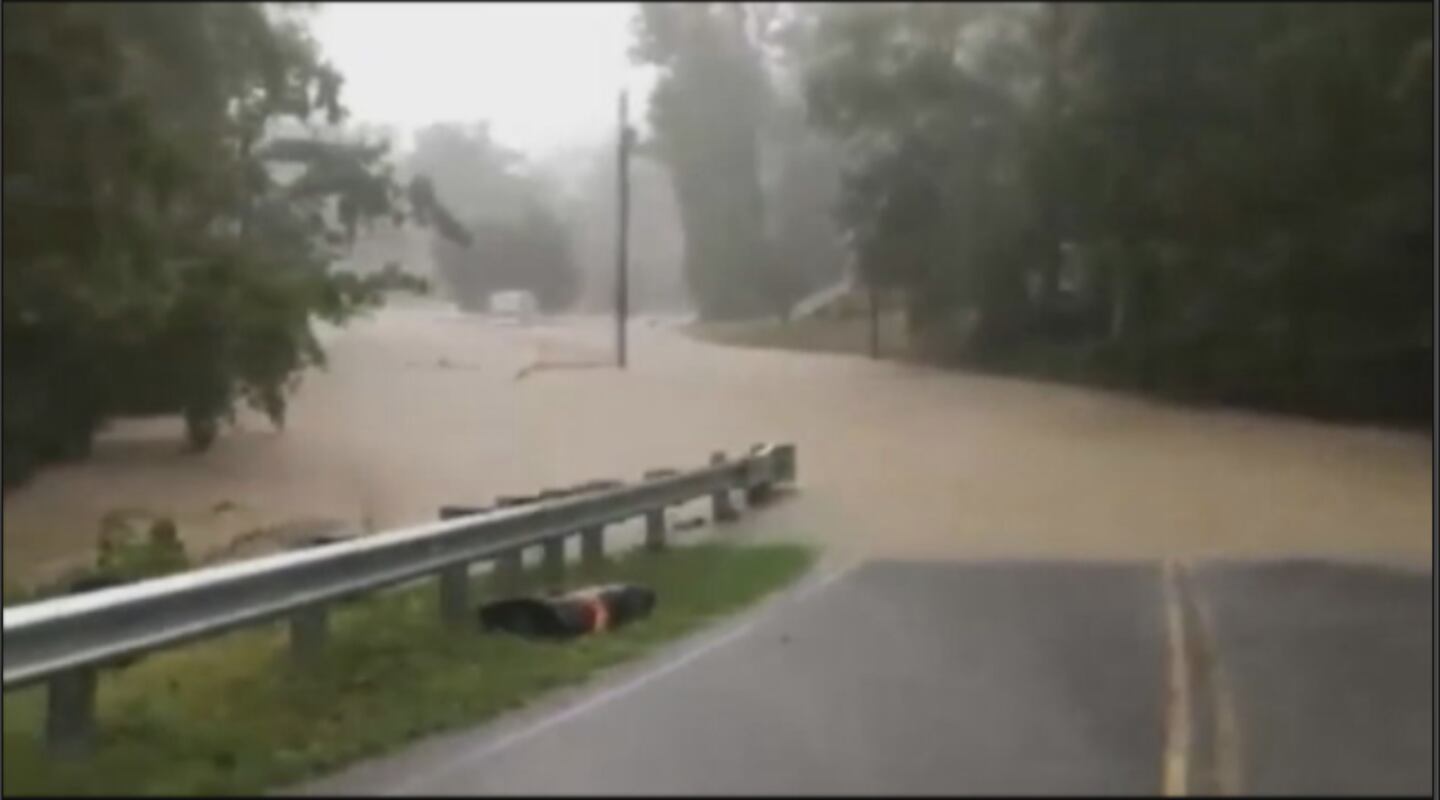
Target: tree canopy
{"x": 178, "y": 181}
{"x": 1220, "y": 202}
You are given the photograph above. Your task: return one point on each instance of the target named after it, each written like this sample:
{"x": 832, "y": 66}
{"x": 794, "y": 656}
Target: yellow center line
{"x": 1178, "y": 728}
{"x": 1227, "y": 728}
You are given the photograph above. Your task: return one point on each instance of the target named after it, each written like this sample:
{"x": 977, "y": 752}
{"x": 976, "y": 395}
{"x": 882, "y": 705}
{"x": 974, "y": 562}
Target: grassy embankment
{"x": 237, "y": 715}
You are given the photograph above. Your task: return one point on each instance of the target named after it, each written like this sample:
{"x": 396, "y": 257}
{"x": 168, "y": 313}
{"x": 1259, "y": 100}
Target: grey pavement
{"x": 1332, "y": 672}
{"x": 1014, "y": 677}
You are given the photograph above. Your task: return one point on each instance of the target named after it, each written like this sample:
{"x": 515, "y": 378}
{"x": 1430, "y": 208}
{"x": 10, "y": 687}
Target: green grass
{"x": 237, "y": 716}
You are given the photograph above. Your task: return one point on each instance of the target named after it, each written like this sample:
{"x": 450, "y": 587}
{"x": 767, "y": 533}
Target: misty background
{"x": 525, "y": 155}
{"x": 1212, "y": 204}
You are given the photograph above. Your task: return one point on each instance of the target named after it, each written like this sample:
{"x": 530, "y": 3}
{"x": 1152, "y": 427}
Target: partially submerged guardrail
{"x": 65, "y": 641}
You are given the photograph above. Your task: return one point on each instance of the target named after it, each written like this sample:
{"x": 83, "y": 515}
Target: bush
{"x": 135, "y": 546}
{"x": 156, "y": 259}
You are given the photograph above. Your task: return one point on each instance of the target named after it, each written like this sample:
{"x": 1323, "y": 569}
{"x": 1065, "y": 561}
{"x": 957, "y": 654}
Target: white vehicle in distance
{"x": 514, "y": 306}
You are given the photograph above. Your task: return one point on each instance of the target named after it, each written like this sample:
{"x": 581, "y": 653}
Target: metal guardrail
{"x": 65, "y": 641}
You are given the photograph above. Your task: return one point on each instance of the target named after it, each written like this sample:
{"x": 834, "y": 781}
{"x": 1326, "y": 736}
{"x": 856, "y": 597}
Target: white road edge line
{"x": 412, "y": 785}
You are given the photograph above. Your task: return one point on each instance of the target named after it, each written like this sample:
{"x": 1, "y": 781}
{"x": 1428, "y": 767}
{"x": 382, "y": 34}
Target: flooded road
{"x": 422, "y": 408}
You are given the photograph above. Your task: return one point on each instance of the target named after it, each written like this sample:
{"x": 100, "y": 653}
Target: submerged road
{"x": 421, "y": 408}
{"x": 1014, "y": 677}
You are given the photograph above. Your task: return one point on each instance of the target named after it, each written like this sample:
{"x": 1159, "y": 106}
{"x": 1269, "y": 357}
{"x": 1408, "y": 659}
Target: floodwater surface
{"x": 425, "y": 407}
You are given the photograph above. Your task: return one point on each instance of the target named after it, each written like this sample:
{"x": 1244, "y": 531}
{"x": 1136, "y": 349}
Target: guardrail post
{"x": 760, "y": 475}
{"x": 70, "y": 712}
{"x": 655, "y": 530}
{"x": 724, "y": 509}
{"x": 309, "y": 628}
{"x": 507, "y": 570}
{"x": 68, "y": 646}
{"x": 592, "y": 545}
{"x": 554, "y": 557}
{"x": 454, "y": 594}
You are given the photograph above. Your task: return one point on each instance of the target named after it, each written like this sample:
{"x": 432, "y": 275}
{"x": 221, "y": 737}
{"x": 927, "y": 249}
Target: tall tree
{"x": 706, "y": 112}
{"x": 1238, "y": 195}
{"x": 169, "y": 234}
{"x": 802, "y": 165}
{"x": 932, "y": 116}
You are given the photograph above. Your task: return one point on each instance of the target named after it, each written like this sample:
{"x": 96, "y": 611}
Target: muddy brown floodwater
{"x": 424, "y": 407}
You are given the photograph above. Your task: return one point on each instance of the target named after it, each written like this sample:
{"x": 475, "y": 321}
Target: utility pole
{"x": 622, "y": 282}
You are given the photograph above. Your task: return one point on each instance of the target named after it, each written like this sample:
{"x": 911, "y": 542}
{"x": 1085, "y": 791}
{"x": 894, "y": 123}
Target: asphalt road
{"x": 1014, "y": 677}
{"x": 1331, "y": 672}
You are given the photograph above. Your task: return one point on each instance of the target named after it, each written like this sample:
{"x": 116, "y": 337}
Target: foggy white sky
{"x": 544, "y": 74}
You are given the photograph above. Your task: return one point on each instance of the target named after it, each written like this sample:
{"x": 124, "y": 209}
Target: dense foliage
{"x": 176, "y": 187}
{"x": 753, "y": 184}
{"x": 1218, "y": 202}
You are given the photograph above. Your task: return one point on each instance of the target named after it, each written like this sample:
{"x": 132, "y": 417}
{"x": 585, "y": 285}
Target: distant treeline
{"x": 1217, "y": 202}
